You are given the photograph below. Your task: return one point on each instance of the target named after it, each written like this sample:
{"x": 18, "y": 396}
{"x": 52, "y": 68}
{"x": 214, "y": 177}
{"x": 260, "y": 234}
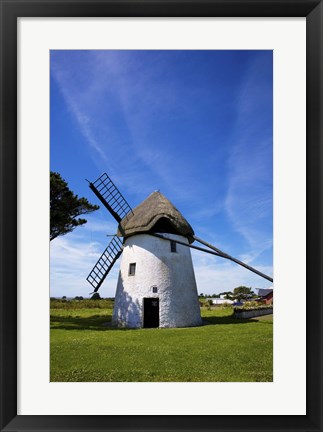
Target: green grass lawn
{"x": 85, "y": 348}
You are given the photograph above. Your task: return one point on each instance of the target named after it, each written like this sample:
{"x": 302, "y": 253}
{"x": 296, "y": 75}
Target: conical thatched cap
{"x": 149, "y": 212}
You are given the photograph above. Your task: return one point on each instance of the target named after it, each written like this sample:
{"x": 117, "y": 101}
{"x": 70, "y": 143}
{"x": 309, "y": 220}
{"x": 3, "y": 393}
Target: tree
{"x": 65, "y": 207}
{"x": 228, "y": 295}
{"x": 243, "y": 293}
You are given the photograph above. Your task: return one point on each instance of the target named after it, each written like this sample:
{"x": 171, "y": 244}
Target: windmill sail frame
{"x": 111, "y": 197}
{"x": 105, "y": 263}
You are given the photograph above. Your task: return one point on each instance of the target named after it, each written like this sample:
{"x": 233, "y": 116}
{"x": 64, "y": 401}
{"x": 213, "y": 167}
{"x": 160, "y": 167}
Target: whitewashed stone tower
{"x": 156, "y": 285}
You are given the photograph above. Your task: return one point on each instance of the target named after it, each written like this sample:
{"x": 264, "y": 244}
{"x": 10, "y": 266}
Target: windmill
{"x": 156, "y": 284}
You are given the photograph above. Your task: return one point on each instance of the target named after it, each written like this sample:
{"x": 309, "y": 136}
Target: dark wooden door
{"x": 151, "y": 312}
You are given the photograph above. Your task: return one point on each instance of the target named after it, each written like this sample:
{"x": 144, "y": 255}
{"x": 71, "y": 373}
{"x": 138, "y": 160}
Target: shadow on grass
{"x": 231, "y": 320}
{"x": 103, "y": 323}
{"x": 94, "y": 322}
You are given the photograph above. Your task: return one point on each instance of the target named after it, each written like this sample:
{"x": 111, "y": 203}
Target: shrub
{"x": 252, "y": 306}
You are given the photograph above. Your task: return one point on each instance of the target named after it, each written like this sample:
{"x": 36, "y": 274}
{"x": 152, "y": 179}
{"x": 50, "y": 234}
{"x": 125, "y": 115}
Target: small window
{"x": 155, "y": 290}
{"x": 172, "y": 246}
{"x": 132, "y": 269}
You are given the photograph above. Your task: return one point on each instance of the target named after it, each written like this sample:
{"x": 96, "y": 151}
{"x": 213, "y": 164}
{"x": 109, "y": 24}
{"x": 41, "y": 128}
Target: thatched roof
{"x": 149, "y": 212}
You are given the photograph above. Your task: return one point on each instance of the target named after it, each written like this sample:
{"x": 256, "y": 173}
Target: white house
{"x": 220, "y": 301}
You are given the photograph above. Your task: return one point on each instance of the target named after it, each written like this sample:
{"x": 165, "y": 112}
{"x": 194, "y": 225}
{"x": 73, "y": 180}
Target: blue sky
{"x": 197, "y": 125}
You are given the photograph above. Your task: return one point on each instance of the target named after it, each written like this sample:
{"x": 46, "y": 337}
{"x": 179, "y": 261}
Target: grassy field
{"x": 85, "y": 348}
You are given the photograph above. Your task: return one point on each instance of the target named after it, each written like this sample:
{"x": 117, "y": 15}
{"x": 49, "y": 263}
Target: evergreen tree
{"x": 65, "y": 207}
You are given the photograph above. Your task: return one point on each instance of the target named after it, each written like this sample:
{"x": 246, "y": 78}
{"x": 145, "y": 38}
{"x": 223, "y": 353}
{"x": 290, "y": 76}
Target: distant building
{"x": 265, "y": 295}
{"x": 220, "y": 301}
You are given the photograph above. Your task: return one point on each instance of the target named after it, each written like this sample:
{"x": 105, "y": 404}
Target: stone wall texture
{"x": 171, "y": 273}
{"x": 252, "y": 313}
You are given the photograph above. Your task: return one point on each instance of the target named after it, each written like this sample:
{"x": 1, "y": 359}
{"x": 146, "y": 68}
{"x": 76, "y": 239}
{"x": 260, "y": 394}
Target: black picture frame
{"x": 10, "y": 11}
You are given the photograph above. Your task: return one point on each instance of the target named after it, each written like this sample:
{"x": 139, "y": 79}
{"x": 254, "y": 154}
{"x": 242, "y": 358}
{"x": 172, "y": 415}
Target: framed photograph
{"x": 139, "y": 76}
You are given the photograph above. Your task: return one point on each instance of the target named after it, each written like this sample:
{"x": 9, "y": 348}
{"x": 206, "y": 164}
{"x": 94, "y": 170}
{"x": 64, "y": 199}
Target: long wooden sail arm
{"x": 231, "y": 258}
{"x": 215, "y": 251}
{"x": 184, "y": 244}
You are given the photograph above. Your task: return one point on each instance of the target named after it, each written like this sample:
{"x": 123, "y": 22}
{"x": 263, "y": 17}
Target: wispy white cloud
{"x": 249, "y": 195}
{"x": 82, "y": 118}
{"x": 71, "y": 260}
{"x": 95, "y": 103}
{"x": 96, "y": 225}
{"x": 111, "y": 97}
{"x": 141, "y": 101}
{"x": 215, "y": 275}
